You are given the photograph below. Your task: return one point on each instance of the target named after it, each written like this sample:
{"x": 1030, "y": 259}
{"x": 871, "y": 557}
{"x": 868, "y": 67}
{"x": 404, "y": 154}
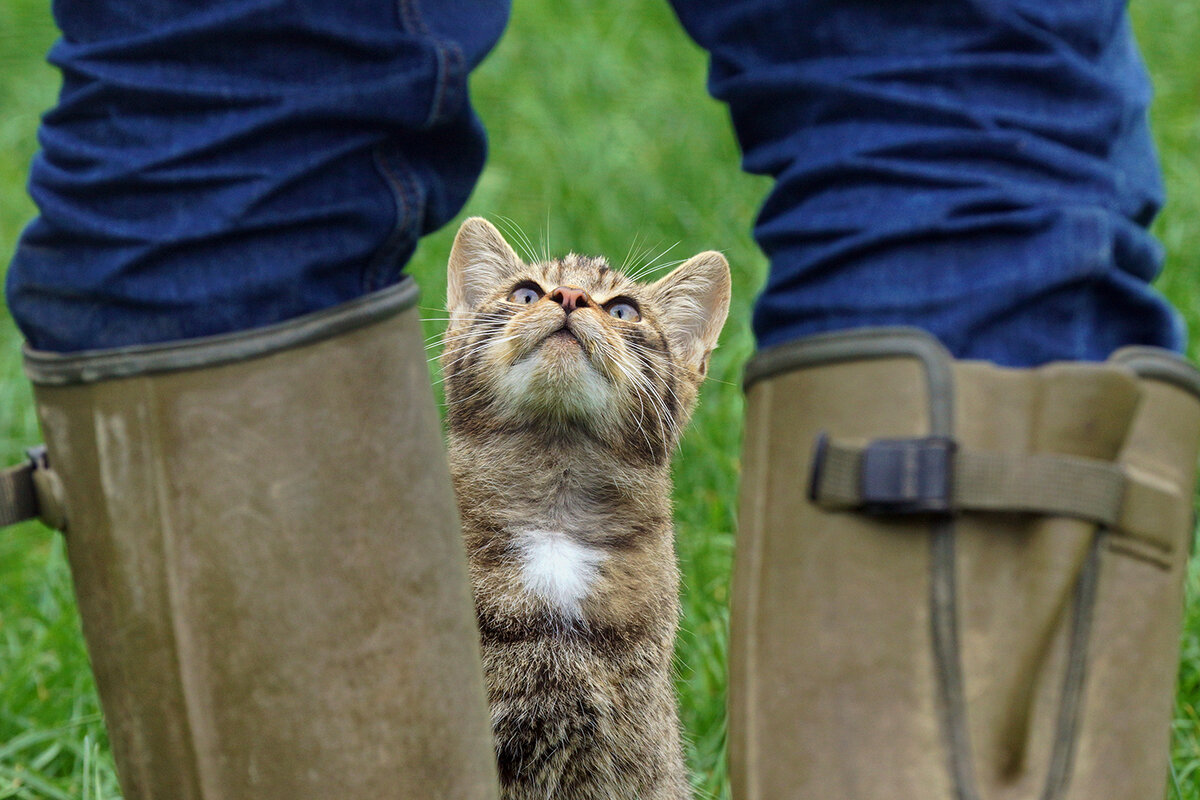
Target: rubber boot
{"x": 266, "y": 554}
{"x": 956, "y": 581}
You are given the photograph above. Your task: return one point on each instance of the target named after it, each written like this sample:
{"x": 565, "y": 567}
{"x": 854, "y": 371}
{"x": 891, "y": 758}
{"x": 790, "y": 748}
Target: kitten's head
{"x": 573, "y": 346}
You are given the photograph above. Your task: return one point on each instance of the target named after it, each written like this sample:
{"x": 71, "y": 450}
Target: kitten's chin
{"x": 558, "y": 381}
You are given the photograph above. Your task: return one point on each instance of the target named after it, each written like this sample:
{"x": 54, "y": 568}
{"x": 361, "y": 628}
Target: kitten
{"x": 568, "y": 386}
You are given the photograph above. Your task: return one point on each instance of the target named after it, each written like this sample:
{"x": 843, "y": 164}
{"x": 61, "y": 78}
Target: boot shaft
{"x": 1006, "y": 647}
{"x": 267, "y": 558}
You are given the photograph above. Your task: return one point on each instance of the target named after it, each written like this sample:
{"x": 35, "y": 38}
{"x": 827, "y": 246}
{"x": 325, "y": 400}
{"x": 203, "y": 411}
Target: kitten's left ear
{"x": 480, "y": 260}
{"x": 694, "y": 301}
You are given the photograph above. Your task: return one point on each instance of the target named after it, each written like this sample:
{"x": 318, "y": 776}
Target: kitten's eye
{"x": 525, "y": 294}
{"x": 626, "y": 312}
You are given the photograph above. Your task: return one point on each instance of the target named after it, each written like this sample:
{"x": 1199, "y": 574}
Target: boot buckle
{"x": 894, "y": 476}
{"x": 909, "y": 476}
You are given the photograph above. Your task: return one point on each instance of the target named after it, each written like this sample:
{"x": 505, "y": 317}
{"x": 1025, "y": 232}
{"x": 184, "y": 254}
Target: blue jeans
{"x": 217, "y": 166}
{"x": 982, "y": 170}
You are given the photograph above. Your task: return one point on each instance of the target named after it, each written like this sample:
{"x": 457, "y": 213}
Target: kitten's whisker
{"x": 637, "y": 392}
{"x": 645, "y": 253}
{"x": 474, "y": 349}
{"x": 449, "y": 335}
{"x": 663, "y": 267}
{"x": 485, "y": 388}
{"x": 524, "y": 240}
{"x": 461, "y": 351}
{"x": 527, "y": 245}
{"x": 514, "y": 230}
{"x": 636, "y": 264}
{"x": 645, "y": 250}
{"x": 664, "y": 416}
{"x": 457, "y": 334}
{"x": 651, "y": 265}
{"x": 644, "y": 391}
{"x": 628, "y": 253}
{"x": 483, "y": 343}
{"x": 479, "y": 315}
{"x": 453, "y": 340}
{"x": 459, "y": 400}
{"x": 666, "y": 388}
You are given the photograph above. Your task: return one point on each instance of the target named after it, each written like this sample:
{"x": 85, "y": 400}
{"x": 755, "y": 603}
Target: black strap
{"x": 934, "y": 475}
{"x": 18, "y": 495}
{"x": 18, "y": 501}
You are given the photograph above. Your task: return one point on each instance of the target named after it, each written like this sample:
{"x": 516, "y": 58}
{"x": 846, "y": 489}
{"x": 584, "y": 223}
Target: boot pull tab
{"x": 33, "y": 491}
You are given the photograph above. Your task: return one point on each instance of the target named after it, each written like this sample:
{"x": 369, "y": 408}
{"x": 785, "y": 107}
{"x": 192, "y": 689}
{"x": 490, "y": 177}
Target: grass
{"x": 619, "y": 145}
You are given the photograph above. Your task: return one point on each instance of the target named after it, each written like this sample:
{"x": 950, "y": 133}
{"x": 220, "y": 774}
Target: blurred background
{"x": 603, "y": 141}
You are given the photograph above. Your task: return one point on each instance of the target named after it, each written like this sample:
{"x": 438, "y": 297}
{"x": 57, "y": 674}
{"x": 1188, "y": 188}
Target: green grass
{"x": 603, "y": 138}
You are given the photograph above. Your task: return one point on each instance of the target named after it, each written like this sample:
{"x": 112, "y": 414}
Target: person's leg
{"x": 231, "y": 379}
{"x": 981, "y": 171}
{"x": 214, "y": 167}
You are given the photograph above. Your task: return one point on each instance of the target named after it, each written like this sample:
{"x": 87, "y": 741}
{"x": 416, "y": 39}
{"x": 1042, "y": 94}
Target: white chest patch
{"x": 559, "y": 569}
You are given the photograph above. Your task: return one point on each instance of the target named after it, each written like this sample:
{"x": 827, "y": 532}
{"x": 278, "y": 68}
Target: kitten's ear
{"x": 479, "y": 261}
{"x": 694, "y": 301}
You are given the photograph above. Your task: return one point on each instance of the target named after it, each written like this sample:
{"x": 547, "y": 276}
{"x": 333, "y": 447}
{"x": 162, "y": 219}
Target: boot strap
{"x": 933, "y": 475}
{"x": 32, "y": 491}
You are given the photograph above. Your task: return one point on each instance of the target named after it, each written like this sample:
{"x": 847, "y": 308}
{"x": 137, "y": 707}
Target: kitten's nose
{"x": 570, "y": 298}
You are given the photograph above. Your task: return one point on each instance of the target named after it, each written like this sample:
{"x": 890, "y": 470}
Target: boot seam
{"x": 1062, "y": 756}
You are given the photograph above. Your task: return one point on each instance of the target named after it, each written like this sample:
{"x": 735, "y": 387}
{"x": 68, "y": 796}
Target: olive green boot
{"x": 266, "y": 554}
{"x": 955, "y": 581}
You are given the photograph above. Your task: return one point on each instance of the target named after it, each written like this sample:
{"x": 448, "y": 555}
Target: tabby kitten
{"x": 568, "y": 386}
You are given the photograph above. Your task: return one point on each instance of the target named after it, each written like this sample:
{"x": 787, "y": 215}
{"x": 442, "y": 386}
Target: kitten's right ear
{"x": 479, "y": 261}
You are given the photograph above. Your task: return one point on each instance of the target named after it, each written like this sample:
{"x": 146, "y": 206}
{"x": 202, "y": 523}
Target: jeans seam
{"x": 390, "y": 164}
{"x": 446, "y": 98}
{"x": 450, "y": 65}
{"x": 389, "y": 158}
{"x": 411, "y": 19}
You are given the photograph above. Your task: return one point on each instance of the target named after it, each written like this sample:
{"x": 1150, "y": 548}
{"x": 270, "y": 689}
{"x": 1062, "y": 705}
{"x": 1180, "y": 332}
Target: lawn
{"x": 619, "y": 147}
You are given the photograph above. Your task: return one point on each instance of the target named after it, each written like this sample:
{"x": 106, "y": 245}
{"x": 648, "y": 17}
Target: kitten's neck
{"x": 523, "y": 480}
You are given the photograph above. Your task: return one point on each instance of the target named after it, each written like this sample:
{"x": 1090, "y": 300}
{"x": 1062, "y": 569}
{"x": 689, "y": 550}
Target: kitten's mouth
{"x": 563, "y": 334}
{"x": 565, "y": 346}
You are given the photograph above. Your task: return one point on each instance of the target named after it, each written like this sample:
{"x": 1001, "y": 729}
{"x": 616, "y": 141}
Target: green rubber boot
{"x": 266, "y": 554}
{"x": 956, "y": 581}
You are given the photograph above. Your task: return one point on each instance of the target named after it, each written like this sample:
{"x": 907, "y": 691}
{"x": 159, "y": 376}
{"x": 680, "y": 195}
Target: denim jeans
{"x": 982, "y": 170}
{"x": 214, "y": 167}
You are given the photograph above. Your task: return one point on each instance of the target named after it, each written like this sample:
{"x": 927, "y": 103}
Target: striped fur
{"x": 562, "y": 428}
